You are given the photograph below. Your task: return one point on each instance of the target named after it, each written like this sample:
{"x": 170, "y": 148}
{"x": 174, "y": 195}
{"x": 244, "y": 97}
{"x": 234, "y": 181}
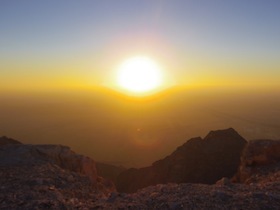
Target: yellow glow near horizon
{"x": 139, "y": 75}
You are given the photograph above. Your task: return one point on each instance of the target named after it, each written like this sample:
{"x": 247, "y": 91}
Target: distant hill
{"x": 109, "y": 171}
{"x": 197, "y": 161}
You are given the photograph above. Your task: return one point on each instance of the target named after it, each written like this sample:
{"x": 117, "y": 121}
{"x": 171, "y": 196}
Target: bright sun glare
{"x": 139, "y": 75}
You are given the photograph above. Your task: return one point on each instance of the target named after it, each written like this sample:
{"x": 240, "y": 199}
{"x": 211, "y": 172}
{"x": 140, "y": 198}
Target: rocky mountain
{"x": 54, "y": 177}
{"x": 256, "y": 185}
{"x": 197, "y": 161}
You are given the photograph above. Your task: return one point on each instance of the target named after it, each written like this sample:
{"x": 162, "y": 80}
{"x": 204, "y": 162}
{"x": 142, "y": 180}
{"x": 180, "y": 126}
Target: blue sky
{"x": 99, "y": 30}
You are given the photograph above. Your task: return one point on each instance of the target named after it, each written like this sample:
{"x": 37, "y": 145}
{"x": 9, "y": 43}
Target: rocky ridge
{"x": 197, "y": 161}
{"x": 35, "y": 178}
{"x": 48, "y": 176}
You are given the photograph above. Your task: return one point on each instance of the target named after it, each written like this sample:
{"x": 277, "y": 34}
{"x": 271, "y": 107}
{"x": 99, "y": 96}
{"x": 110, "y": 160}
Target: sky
{"x": 56, "y": 54}
{"x": 79, "y": 44}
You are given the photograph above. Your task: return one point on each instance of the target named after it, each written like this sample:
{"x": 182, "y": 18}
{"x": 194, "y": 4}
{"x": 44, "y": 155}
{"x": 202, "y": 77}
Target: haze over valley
{"x": 113, "y": 128}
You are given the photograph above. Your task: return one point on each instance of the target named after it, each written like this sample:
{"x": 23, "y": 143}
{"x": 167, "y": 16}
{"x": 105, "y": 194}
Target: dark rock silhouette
{"x": 6, "y": 141}
{"x": 259, "y": 160}
{"x": 197, "y": 161}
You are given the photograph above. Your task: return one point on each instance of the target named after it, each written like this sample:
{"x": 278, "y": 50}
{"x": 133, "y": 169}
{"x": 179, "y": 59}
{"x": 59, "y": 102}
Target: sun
{"x": 139, "y": 75}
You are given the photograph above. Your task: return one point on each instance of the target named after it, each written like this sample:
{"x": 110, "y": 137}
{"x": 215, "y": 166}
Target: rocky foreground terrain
{"x": 54, "y": 177}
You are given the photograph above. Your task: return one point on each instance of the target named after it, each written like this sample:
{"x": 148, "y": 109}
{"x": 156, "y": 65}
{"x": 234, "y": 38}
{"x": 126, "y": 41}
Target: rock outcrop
{"x": 52, "y": 175}
{"x": 259, "y": 159}
{"x": 197, "y": 161}
{"x": 55, "y": 154}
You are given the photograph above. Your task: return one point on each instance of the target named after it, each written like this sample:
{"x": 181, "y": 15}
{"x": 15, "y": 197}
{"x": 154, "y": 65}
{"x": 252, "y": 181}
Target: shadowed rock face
{"x": 6, "y": 141}
{"x": 197, "y": 161}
